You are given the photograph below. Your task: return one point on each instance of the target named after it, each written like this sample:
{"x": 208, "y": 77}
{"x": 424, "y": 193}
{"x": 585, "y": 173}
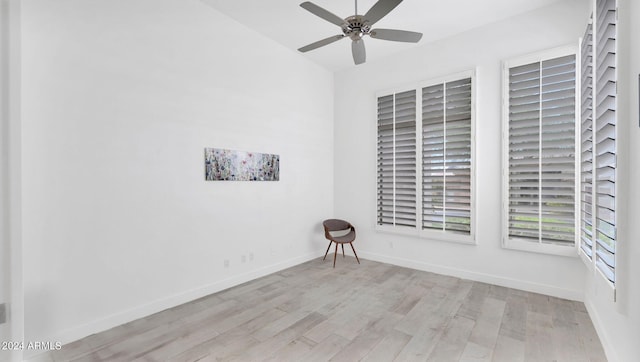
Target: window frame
{"x": 417, "y": 231}
{"x": 522, "y": 245}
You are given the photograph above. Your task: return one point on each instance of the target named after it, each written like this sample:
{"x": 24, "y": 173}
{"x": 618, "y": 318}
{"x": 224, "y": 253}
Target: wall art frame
{"x": 230, "y": 165}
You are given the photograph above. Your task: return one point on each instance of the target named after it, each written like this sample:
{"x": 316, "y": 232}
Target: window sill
{"x": 551, "y": 249}
{"x": 428, "y": 234}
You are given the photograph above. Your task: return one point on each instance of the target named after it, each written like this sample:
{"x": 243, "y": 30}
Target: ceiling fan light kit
{"x": 357, "y": 26}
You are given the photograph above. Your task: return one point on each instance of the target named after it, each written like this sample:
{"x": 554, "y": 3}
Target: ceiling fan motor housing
{"x": 355, "y": 27}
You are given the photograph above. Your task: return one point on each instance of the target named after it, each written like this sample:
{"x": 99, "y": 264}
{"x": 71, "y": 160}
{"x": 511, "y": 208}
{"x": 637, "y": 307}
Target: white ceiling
{"x": 292, "y": 26}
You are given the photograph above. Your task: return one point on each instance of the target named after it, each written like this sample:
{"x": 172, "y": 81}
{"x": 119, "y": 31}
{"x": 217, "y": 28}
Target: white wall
{"x": 355, "y": 139}
{"x": 119, "y": 100}
{"x": 11, "y": 290}
{"x": 618, "y": 323}
{"x": 4, "y": 163}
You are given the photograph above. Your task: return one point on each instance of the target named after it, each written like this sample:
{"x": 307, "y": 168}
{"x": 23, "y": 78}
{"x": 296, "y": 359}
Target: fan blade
{"x": 321, "y": 43}
{"x": 326, "y": 15}
{"x": 359, "y": 54}
{"x": 379, "y": 10}
{"x": 396, "y": 35}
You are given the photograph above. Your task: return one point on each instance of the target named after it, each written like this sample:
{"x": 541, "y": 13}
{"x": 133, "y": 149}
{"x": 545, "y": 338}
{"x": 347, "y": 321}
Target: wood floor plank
{"x": 433, "y": 324}
{"x": 185, "y": 338}
{"x": 266, "y": 348}
{"x": 351, "y": 327}
{"x": 412, "y": 294}
{"x": 538, "y": 341}
{"x": 590, "y": 342}
{"x": 498, "y": 292}
{"x": 487, "y": 326}
{"x": 416, "y": 318}
{"x": 229, "y": 342}
{"x": 326, "y": 349}
{"x": 201, "y": 331}
{"x": 474, "y": 352}
{"x": 277, "y": 326}
{"x": 539, "y": 303}
{"x": 508, "y": 349}
{"x": 420, "y": 345}
{"x": 372, "y": 334}
{"x": 370, "y": 311}
{"x": 293, "y": 350}
{"x": 323, "y": 330}
{"x": 567, "y": 345}
{"x": 389, "y": 348}
{"x": 474, "y": 301}
{"x": 514, "y": 319}
{"x": 453, "y": 341}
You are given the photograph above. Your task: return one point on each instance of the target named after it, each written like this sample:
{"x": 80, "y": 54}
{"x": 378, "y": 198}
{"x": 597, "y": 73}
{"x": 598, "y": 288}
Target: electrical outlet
{"x": 243, "y": 258}
{"x": 3, "y": 313}
{"x": 226, "y": 263}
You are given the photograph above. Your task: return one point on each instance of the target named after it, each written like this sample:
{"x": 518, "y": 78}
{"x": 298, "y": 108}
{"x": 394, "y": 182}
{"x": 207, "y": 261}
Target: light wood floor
{"x": 368, "y": 312}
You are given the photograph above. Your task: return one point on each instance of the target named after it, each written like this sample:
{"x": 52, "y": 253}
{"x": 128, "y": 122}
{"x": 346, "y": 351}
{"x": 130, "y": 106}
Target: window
{"x": 425, "y": 159}
{"x": 598, "y": 139}
{"x": 540, "y": 152}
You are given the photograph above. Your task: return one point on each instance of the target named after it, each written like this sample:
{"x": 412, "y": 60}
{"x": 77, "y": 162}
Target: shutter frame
{"x": 539, "y": 152}
{"x": 462, "y": 199}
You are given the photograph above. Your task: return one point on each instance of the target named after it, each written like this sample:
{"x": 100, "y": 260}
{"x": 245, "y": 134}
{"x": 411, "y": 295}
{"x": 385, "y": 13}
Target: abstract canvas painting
{"x": 229, "y": 165}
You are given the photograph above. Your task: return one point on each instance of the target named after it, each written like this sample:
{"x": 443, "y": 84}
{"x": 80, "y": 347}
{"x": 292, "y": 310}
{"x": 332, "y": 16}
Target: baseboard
{"x": 598, "y": 324}
{"x": 114, "y": 320}
{"x": 550, "y": 290}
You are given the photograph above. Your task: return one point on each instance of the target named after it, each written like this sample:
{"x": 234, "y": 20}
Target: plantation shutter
{"x": 586, "y": 135}
{"x": 385, "y": 161}
{"x": 524, "y": 151}
{"x": 405, "y": 158}
{"x": 542, "y": 151}
{"x": 397, "y": 159}
{"x": 605, "y": 136}
{"x": 558, "y": 150}
{"x": 446, "y": 156}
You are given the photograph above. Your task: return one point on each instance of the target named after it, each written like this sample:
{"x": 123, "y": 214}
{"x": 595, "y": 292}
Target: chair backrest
{"x": 335, "y": 225}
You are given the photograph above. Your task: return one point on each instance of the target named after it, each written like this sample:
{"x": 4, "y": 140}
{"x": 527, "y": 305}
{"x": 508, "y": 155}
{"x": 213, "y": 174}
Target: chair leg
{"x": 342, "y": 250}
{"x": 354, "y": 252}
{"x": 334, "y": 256}
{"x": 325, "y": 254}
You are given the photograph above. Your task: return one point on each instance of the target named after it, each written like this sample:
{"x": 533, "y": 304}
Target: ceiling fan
{"x": 357, "y": 26}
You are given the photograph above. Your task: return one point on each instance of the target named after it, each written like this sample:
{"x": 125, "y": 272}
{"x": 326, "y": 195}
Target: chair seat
{"x": 347, "y": 238}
